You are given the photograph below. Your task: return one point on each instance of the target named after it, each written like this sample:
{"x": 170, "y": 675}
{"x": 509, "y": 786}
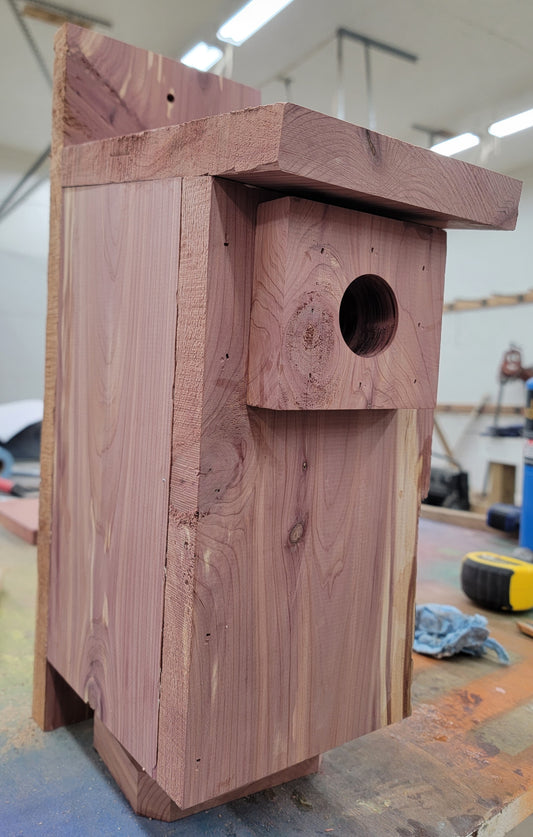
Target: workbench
{"x": 462, "y": 764}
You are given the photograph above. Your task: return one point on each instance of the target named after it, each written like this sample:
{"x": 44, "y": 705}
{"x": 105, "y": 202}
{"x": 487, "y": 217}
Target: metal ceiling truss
{"x": 48, "y": 13}
{"x": 340, "y": 36}
{"x": 369, "y": 44}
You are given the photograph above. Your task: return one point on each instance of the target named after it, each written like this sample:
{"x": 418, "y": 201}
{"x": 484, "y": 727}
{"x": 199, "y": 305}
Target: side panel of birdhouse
{"x": 115, "y": 377}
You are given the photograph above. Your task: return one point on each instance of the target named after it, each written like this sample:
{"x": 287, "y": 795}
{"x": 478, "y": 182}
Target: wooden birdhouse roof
{"x": 294, "y": 150}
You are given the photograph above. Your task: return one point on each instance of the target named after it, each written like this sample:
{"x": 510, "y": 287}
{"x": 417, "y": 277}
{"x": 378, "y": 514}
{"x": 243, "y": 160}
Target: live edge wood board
{"x": 243, "y": 386}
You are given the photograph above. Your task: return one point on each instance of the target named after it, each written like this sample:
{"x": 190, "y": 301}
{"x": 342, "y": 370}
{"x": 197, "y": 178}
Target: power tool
{"x": 497, "y": 582}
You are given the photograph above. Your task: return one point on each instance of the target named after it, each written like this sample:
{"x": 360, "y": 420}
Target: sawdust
{"x": 18, "y": 731}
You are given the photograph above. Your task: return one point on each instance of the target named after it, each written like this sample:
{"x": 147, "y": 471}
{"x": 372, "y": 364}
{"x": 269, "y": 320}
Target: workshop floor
{"x": 55, "y": 783}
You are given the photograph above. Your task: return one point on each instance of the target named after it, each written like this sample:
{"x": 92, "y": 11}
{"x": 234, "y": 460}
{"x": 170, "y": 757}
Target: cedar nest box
{"x": 242, "y": 353}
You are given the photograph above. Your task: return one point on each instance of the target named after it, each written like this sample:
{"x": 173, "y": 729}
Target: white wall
{"x": 23, "y": 265}
{"x": 481, "y": 263}
{"x": 22, "y": 326}
{"x": 473, "y": 342}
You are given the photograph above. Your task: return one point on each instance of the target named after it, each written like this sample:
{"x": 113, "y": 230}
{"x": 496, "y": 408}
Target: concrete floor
{"x": 55, "y": 783}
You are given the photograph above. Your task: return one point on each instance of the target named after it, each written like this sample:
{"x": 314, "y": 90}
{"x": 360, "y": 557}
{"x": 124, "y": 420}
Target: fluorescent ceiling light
{"x": 202, "y": 56}
{"x": 455, "y": 145}
{"x": 512, "y": 124}
{"x": 249, "y": 19}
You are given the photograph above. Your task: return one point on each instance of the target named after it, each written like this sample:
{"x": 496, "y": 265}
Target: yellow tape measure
{"x": 497, "y": 581}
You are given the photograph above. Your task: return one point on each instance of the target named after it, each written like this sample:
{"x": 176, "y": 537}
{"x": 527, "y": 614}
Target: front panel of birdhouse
{"x": 347, "y": 310}
{"x": 292, "y": 532}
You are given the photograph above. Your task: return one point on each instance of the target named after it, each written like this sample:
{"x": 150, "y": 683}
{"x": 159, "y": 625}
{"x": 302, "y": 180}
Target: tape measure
{"x": 496, "y": 581}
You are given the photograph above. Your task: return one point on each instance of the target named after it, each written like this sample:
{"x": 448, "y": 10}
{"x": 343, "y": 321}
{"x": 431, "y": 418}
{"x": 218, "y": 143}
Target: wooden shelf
{"x": 493, "y": 301}
{"x": 486, "y": 409}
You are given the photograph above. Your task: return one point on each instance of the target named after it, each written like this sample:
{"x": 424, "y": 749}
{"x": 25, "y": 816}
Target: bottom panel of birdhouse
{"x": 148, "y": 799}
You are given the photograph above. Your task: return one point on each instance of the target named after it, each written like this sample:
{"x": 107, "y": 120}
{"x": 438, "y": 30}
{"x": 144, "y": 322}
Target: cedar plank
{"x": 292, "y": 149}
{"x": 94, "y": 97}
{"x": 112, "y": 456}
{"x": 149, "y": 800}
{"x": 183, "y": 497}
{"x": 114, "y": 89}
{"x": 21, "y": 517}
{"x": 46, "y": 706}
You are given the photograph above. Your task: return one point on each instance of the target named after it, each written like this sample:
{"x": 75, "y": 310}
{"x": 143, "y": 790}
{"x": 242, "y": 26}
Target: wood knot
{"x": 371, "y": 145}
{"x": 296, "y": 533}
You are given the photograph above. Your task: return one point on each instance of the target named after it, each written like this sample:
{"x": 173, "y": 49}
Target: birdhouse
{"x": 243, "y": 348}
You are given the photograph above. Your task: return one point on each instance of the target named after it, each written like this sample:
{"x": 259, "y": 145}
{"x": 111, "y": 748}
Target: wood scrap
{"x": 525, "y": 627}
{"x": 21, "y": 517}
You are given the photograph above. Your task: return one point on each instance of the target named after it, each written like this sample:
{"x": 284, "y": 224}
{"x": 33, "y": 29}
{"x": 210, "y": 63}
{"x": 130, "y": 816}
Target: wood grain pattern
{"x": 297, "y": 633}
{"x": 183, "y": 510}
{"x": 21, "y": 517}
{"x": 102, "y": 88}
{"x": 306, "y": 256}
{"x": 113, "y": 421}
{"x": 149, "y": 800}
{"x": 299, "y": 151}
{"x": 46, "y": 706}
{"x": 114, "y": 89}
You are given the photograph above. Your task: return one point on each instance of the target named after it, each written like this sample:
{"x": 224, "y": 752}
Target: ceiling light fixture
{"x": 249, "y": 19}
{"x": 202, "y": 56}
{"x": 455, "y": 145}
{"x": 512, "y": 124}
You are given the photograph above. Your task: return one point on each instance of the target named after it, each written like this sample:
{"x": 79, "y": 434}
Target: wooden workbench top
{"x": 465, "y": 756}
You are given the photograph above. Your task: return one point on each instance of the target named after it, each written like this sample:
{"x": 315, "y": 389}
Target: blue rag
{"x": 442, "y": 631}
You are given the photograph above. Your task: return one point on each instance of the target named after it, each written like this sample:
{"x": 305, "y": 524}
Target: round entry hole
{"x": 368, "y": 315}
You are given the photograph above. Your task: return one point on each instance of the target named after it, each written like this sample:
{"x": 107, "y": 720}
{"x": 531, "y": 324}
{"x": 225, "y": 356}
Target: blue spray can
{"x": 526, "y": 521}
